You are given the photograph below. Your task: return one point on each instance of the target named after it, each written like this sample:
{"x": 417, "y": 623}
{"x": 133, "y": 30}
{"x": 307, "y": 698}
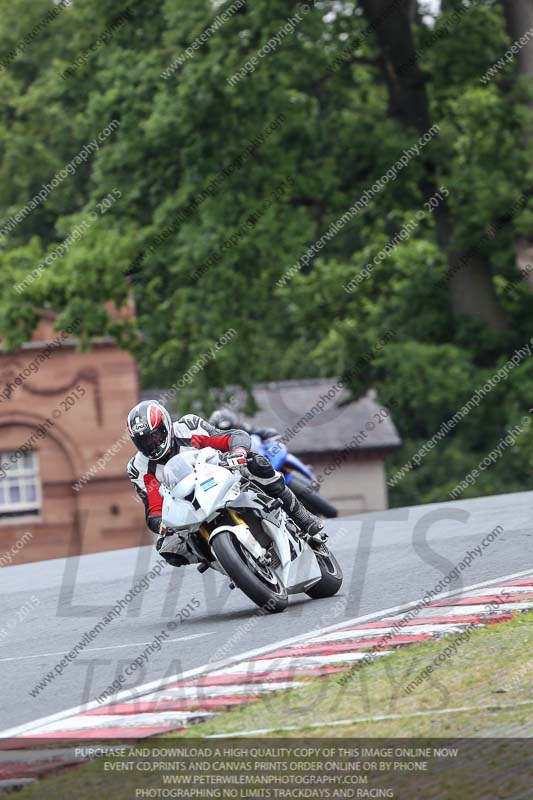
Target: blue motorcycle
{"x": 298, "y": 475}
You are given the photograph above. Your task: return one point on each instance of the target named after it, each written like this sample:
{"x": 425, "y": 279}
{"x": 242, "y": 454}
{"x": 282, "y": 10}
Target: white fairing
{"x": 196, "y": 476}
{"x": 303, "y": 570}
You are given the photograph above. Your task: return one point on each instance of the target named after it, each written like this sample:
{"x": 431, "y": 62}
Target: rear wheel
{"x": 303, "y": 489}
{"x": 331, "y": 580}
{"x": 258, "y": 581}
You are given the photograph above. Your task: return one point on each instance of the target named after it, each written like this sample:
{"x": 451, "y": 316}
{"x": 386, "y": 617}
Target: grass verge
{"x": 490, "y": 674}
{"x": 492, "y": 671}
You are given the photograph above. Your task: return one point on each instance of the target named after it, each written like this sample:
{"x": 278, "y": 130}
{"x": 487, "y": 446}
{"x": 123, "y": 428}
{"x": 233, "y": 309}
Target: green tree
{"x": 210, "y": 189}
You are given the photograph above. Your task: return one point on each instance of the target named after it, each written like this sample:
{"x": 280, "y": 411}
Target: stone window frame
{"x": 23, "y": 473}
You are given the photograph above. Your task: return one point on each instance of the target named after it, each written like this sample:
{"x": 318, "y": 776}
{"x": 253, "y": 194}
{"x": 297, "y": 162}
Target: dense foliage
{"x": 202, "y": 225}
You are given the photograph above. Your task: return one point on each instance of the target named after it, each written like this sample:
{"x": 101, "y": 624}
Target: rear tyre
{"x": 314, "y": 503}
{"x": 259, "y": 583}
{"x": 331, "y": 580}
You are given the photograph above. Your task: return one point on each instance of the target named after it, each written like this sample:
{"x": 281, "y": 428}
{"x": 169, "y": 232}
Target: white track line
{"x": 83, "y": 723}
{"x": 65, "y": 754}
{"x": 372, "y": 633}
{"x": 158, "y": 685}
{"x": 15, "y": 783}
{"x": 478, "y": 610}
{"x": 302, "y": 662}
{"x": 458, "y": 710}
{"x": 497, "y": 589}
{"x": 110, "y": 647}
{"x": 207, "y": 692}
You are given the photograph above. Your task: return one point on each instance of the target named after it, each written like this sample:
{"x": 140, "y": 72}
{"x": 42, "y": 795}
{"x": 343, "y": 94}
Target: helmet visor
{"x": 153, "y": 444}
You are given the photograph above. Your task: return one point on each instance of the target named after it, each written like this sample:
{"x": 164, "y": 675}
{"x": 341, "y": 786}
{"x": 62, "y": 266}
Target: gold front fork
{"x": 237, "y": 519}
{"x": 204, "y": 532}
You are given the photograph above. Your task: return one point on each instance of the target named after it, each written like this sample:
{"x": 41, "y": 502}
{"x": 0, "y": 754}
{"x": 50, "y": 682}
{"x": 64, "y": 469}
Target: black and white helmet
{"x": 224, "y": 420}
{"x": 150, "y": 428}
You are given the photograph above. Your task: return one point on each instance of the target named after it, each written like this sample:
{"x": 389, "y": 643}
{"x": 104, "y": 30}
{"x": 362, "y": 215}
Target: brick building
{"x": 63, "y": 451}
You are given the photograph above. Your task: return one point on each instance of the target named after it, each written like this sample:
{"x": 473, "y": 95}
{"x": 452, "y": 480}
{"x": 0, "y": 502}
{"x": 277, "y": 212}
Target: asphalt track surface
{"x": 388, "y": 558}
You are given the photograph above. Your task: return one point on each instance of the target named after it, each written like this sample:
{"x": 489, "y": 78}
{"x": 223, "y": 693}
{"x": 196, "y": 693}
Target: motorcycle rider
{"x": 158, "y": 439}
{"x": 224, "y": 419}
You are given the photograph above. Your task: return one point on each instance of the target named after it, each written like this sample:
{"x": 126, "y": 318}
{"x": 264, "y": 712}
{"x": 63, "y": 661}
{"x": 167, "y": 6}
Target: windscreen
{"x": 178, "y": 468}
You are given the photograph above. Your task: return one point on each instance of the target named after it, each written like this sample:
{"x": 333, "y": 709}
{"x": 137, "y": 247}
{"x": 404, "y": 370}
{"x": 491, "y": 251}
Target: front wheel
{"x": 331, "y": 580}
{"x": 258, "y": 582}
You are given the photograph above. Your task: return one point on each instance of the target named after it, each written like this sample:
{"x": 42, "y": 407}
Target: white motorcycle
{"x": 233, "y": 527}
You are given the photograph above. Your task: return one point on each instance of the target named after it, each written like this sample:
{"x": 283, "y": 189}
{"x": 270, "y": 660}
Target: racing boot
{"x": 261, "y": 471}
{"x": 309, "y": 524}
